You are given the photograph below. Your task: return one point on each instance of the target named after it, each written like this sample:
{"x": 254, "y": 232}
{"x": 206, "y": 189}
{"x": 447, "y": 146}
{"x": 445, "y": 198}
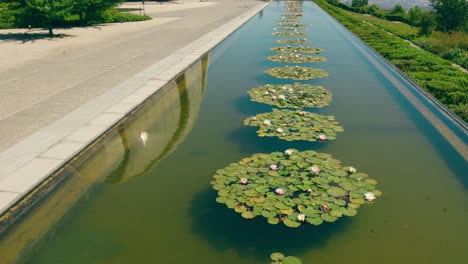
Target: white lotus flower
{"x": 279, "y": 130}
{"x": 291, "y": 90}
{"x": 282, "y": 97}
{"x": 266, "y": 92}
{"x": 254, "y": 118}
{"x": 144, "y": 137}
{"x": 370, "y": 196}
{"x": 284, "y": 87}
{"x": 301, "y": 217}
{"x": 288, "y": 151}
{"x": 352, "y": 169}
{"x": 267, "y": 122}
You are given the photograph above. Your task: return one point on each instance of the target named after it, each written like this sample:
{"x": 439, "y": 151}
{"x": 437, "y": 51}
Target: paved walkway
{"x": 33, "y": 96}
{"x": 54, "y": 107}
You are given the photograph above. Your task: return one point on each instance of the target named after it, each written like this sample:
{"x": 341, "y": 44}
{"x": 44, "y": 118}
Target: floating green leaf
{"x": 295, "y": 58}
{"x": 280, "y": 258}
{"x": 298, "y": 188}
{"x": 297, "y": 73}
{"x": 277, "y": 256}
{"x": 295, "y": 96}
{"x": 295, "y": 125}
{"x": 297, "y": 49}
{"x": 292, "y": 260}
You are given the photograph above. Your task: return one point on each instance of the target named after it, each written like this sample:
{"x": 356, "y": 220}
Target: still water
{"x": 151, "y": 202}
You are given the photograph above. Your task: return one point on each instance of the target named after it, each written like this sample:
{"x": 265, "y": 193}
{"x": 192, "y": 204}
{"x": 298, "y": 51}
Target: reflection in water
{"x": 225, "y": 229}
{"x": 164, "y": 127}
{"x": 150, "y": 135}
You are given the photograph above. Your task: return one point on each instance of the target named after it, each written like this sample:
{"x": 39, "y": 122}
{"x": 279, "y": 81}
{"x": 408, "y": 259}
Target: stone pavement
{"x": 53, "y": 108}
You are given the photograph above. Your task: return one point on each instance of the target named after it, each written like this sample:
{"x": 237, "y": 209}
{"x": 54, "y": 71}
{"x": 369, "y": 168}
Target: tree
{"x": 427, "y": 24}
{"x": 51, "y": 10}
{"x": 359, "y": 3}
{"x": 398, "y": 9}
{"x": 334, "y": 2}
{"x": 451, "y": 14}
{"x": 414, "y": 15}
{"x": 91, "y": 9}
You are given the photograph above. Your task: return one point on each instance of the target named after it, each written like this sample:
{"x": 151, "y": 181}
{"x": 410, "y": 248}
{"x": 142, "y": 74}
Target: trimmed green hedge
{"x": 436, "y": 75}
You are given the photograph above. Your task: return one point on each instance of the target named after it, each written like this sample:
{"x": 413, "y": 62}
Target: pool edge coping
{"x": 24, "y": 166}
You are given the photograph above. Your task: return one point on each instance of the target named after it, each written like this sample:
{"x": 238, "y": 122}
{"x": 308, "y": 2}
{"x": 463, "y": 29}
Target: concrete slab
{"x": 7, "y": 199}
{"x": 85, "y": 134}
{"x": 26, "y": 178}
{"x": 63, "y": 151}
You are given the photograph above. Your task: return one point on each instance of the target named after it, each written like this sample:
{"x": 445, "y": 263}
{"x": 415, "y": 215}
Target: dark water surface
{"x": 152, "y": 203}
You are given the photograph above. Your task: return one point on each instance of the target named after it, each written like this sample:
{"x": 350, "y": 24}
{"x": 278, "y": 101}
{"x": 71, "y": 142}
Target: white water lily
{"x": 254, "y": 118}
{"x": 370, "y": 196}
{"x": 291, "y": 90}
{"x": 284, "y": 87}
{"x": 266, "y": 92}
{"x": 282, "y": 97}
{"x": 352, "y": 169}
{"x": 144, "y": 137}
{"x": 267, "y": 122}
{"x": 279, "y": 130}
{"x": 288, "y": 151}
{"x": 301, "y": 217}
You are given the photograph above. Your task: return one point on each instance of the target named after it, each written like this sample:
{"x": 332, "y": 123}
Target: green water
{"x": 152, "y": 203}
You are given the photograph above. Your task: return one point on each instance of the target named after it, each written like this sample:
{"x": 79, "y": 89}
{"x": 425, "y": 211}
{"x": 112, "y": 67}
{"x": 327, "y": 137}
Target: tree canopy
{"x": 451, "y": 14}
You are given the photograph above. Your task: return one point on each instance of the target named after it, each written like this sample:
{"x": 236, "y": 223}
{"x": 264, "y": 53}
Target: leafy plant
{"x": 293, "y": 188}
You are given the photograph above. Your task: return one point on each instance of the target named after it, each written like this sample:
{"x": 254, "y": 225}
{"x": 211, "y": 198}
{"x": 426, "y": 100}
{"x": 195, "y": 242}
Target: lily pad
{"x": 297, "y": 49}
{"x": 299, "y": 195}
{"x": 288, "y": 34}
{"x": 297, "y": 73}
{"x": 295, "y": 58}
{"x": 292, "y": 260}
{"x": 295, "y": 125}
{"x": 293, "y": 41}
{"x": 277, "y": 256}
{"x": 294, "y": 96}
{"x": 280, "y": 258}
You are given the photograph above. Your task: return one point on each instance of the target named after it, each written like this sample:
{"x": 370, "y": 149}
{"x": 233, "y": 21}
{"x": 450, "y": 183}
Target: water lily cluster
{"x": 297, "y": 73}
{"x": 296, "y": 58}
{"x": 295, "y": 95}
{"x": 293, "y": 41}
{"x": 293, "y": 188}
{"x": 292, "y": 25}
{"x": 288, "y": 34}
{"x": 295, "y": 125}
{"x": 297, "y": 49}
{"x": 289, "y": 20}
